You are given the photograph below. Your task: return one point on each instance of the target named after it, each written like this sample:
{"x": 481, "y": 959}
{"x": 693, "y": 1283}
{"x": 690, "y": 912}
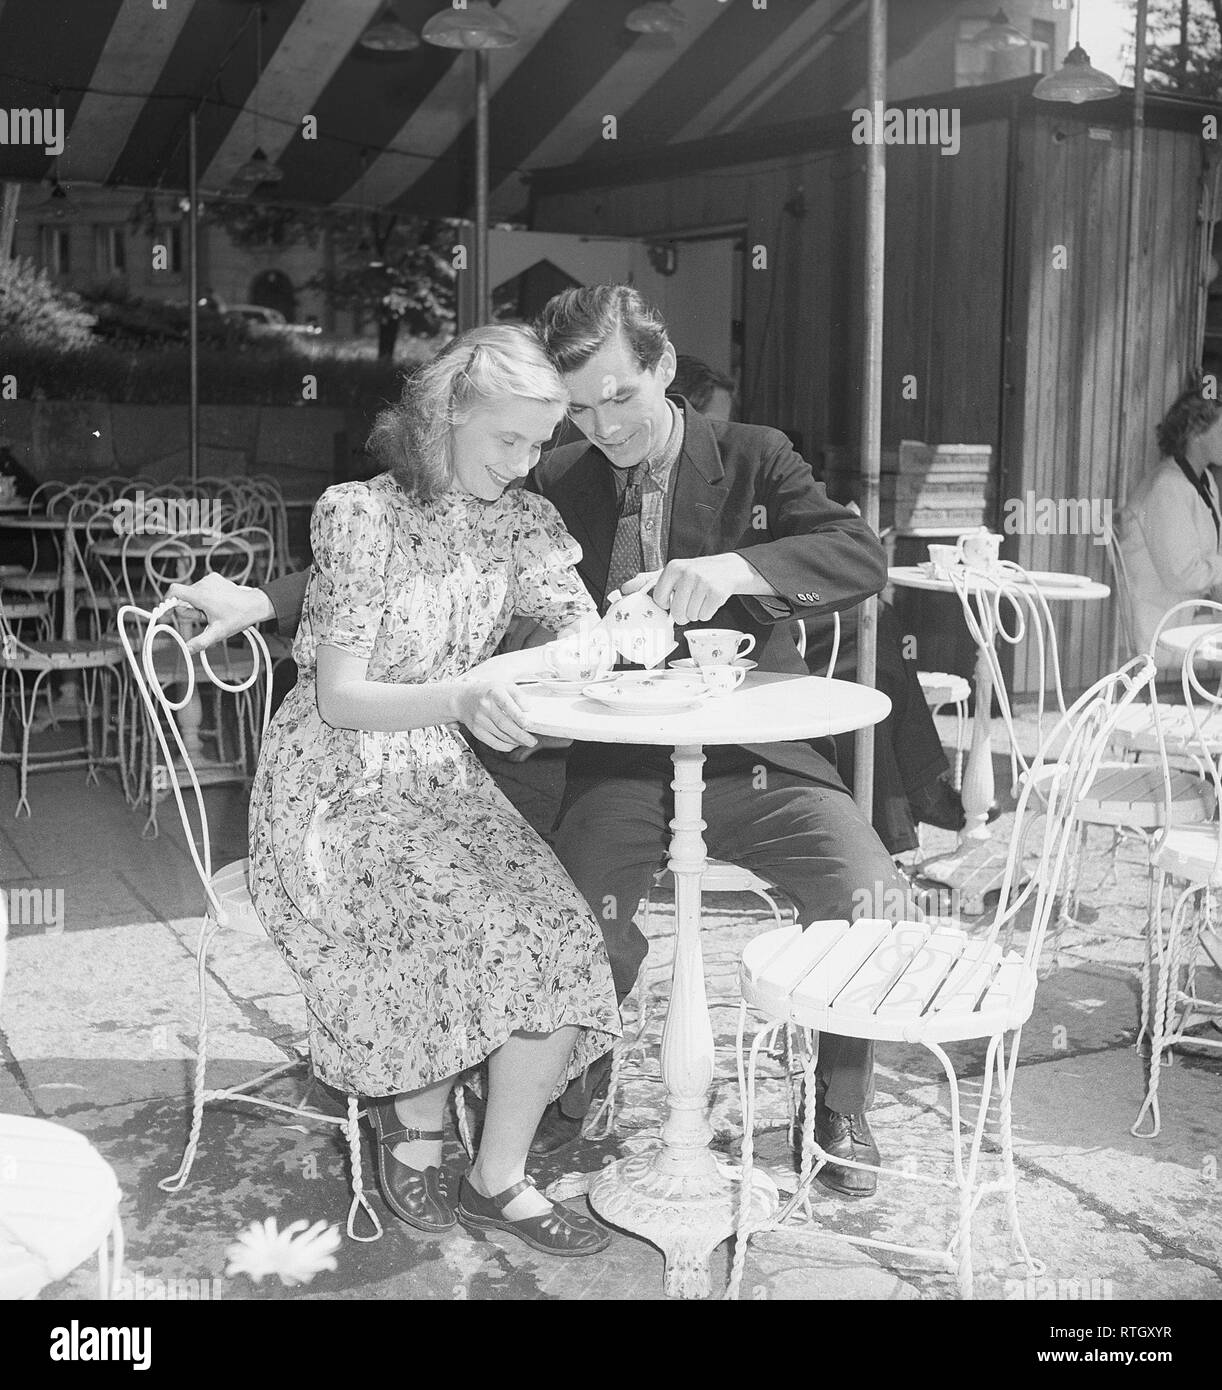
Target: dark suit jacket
{"x": 737, "y": 488}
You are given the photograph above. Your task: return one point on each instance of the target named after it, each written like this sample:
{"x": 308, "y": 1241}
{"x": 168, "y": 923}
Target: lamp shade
{"x": 388, "y": 35}
{"x": 999, "y": 35}
{"x": 257, "y": 169}
{"x": 476, "y": 25}
{"x": 1076, "y": 81}
{"x": 657, "y": 17}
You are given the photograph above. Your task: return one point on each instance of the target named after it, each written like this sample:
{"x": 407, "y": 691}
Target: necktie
{"x": 627, "y": 557}
{"x": 1202, "y": 486}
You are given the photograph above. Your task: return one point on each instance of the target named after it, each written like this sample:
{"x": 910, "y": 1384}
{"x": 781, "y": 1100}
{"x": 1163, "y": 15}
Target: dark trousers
{"x": 810, "y": 840}
{"x": 908, "y": 754}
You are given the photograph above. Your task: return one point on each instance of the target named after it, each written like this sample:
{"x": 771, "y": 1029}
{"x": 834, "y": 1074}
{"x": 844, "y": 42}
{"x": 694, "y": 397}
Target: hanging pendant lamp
{"x": 476, "y": 25}
{"x": 1076, "y": 81}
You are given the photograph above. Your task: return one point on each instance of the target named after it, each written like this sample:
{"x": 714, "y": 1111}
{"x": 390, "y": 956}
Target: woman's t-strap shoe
{"x": 558, "y": 1232}
{"x": 418, "y": 1196}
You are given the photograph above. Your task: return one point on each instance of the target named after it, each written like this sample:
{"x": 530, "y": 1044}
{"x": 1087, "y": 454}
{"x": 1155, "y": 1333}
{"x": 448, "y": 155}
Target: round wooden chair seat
{"x": 1136, "y": 734}
{"x": 59, "y": 1202}
{"x": 232, "y": 886}
{"x": 943, "y": 688}
{"x": 891, "y": 981}
{"x": 1190, "y": 852}
{"x": 1131, "y": 794}
{"x": 17, "y": 608}
{"x": 41, "y": 583}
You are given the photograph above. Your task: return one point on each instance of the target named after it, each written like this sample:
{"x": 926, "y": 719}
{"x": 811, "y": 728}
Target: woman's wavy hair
{"x": 1191, "y": 414}
{"x": 414, "y": 438}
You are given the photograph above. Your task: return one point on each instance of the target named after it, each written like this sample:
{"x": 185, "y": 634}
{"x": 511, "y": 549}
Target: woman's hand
{"x": 491, "y": 710}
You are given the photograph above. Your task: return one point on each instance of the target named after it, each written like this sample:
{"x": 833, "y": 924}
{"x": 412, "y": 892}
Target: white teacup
{"x": 722, "y": 679}
{"x": 979, "y": 550}
{"x": 718, "y": 646}
{"x": 943, "y": 558}
{"x": 579, "y": 658}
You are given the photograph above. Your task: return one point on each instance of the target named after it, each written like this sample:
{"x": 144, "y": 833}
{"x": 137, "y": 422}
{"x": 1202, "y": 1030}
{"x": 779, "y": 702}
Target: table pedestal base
{"x": 971, "y": 871}
{"x": 687, "y": 1217}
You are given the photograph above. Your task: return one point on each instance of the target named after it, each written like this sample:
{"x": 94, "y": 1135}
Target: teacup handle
{"x": 750, "y": 647}
{"x": 739, "y": 676}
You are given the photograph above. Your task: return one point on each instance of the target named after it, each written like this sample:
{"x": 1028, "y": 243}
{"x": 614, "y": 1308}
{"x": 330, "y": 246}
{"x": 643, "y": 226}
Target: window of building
{"x": 1043, "y": 45}
{"x": 56, "y": 250}
{"x": 112, "y": 250}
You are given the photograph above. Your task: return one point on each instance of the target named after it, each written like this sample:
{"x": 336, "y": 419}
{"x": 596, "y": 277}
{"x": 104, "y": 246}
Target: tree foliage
{"x": 35, "y": 311}
{"x": 395, "y": 268}
{"x": 1188, "y": 60}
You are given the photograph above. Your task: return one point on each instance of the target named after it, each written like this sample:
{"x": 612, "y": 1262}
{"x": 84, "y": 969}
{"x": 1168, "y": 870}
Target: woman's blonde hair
{"x": 414, "y": 439}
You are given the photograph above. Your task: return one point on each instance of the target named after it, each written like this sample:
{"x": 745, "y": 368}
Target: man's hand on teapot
{"x": 692, "y": 591}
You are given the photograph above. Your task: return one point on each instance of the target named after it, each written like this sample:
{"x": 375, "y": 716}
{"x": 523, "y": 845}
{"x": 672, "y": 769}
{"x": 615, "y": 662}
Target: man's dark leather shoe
{"x": 557, "y": 1129}
{"x": 846, "y": 1136}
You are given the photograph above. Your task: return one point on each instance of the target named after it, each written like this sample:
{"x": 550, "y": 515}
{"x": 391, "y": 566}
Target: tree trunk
{"x": 388, "y": 335}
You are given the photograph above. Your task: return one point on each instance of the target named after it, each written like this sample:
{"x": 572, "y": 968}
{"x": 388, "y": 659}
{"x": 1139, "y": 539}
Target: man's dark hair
{"x": 576, "y": 324}
{"x": 697, "y": 381}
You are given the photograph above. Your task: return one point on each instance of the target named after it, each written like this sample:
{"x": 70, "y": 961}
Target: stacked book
{"x": 945, "y": 487}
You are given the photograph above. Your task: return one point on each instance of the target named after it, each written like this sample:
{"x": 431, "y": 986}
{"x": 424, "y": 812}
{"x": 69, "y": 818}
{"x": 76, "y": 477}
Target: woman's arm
{"x": 484, "y": 703}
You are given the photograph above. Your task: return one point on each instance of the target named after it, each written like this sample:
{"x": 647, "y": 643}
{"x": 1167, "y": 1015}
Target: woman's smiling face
{"x": 499, "y": 443}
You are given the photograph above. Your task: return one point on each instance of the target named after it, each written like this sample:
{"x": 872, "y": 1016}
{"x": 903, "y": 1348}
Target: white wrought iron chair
{"x": 227, "y": 891}
{"x": 928, "y": 983}
{"x": 1187, "y": 864}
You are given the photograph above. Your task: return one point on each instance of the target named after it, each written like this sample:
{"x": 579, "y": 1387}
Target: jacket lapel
{"x": 700, "y": 492}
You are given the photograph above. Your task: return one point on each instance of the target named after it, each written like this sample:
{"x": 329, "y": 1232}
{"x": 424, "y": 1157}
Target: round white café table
{"x": 1179, "y": 639}
{"x": 677, "y": 1196}
{"x": 978, "y": 789}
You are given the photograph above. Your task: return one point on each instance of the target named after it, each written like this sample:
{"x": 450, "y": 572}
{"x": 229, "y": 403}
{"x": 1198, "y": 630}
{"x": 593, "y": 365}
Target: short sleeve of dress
{"x": 351, "y": 534}
{"x": 548, "y": 587}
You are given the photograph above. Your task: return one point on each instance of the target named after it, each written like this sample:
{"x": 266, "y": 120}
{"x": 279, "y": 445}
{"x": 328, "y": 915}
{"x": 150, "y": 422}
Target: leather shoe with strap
{"x": 557, "y": 1232}
{"x": 846, "y": 1136}
{"x": 418, "y": 1196}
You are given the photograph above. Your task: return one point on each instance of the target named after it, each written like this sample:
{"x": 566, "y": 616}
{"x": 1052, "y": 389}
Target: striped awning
{"x": 394, "y": 130}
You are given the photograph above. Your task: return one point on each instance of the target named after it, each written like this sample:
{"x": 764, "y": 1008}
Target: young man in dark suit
{"x": 727, "y": 526}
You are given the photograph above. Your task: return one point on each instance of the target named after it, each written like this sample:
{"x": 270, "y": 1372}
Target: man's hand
{"x": 694, "y": 590}
{"x": 229, "y": 607}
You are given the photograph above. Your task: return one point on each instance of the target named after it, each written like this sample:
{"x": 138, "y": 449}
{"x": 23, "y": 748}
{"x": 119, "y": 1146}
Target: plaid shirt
{"x": 657, "y": 493}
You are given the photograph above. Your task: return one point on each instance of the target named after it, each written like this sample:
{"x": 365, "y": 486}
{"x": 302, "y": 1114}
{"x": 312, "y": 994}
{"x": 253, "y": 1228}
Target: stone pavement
{"x": 97, "y": 1029}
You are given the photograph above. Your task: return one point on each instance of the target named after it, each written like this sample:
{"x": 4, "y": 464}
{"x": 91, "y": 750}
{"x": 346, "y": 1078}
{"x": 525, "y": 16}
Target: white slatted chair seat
{"x": 1135, "y": 733}
{"x": 943, "y": 688}
{"x": 59, "y": 1204}
{"x": 1190, "y": 853}
{"x": 16, "y": 608}
{"x": 62, "y": 656}
{"x": 1131, "y": 794}
{"x": 41, "y": 583}
{"x": 891, "y": 981}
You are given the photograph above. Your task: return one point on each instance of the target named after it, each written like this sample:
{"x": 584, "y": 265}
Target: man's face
{"x": 619, "y": 407}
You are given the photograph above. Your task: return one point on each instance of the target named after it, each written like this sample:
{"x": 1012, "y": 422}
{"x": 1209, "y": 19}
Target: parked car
{"x": 261, "y": 321}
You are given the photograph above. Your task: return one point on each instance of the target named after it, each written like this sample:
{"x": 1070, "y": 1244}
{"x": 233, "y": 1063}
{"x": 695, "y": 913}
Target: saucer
{"x": 688, "y": 663}
{"x": 648, "y": 694}
{"x": 569, "y": 687}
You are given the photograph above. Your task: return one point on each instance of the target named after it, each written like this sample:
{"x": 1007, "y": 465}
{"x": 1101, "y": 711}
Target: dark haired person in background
{"x": 710, "y": 391}
{"x": 1171, "y": 525}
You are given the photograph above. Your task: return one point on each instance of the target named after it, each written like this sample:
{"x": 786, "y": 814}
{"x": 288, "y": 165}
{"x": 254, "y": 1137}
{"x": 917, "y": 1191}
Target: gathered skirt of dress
{"x": 424, "y": 920}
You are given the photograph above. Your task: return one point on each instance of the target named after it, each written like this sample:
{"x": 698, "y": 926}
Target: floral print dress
{"x": 425, "y": 921}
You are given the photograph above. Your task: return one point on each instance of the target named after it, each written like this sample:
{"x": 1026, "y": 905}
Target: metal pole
{"x": 8, "y": 218}
{"x": 872, "y": 379}
{"x": 483, "y": 308}
{"x": 193, "y": 296}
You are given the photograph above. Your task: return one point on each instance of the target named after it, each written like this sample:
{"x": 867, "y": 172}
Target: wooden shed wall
{"x": 1068, "y": 431}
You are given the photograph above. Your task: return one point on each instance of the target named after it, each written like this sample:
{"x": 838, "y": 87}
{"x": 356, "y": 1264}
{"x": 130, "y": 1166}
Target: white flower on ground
{"x": 296, "y": 1258}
